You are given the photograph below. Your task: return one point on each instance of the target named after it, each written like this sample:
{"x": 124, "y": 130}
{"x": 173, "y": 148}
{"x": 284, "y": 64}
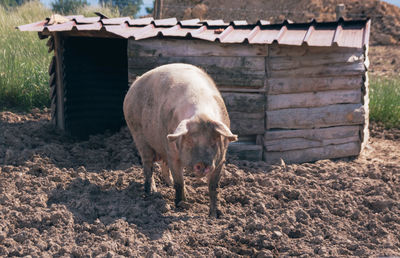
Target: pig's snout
{"x": 201, "y": 169}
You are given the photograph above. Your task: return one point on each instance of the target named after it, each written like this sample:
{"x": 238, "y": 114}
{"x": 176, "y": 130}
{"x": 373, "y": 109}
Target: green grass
{"x": 24, "y": 59}
{"x": 384, "y": 105}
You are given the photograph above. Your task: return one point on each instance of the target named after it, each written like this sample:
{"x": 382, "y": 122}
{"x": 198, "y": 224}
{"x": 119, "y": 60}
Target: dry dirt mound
{"x": 384, "y": 61}
{"x": 61, "y": 197}
{"x": 385, "y": 17}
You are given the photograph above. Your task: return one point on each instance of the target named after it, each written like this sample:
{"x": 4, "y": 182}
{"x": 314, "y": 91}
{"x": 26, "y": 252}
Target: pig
{"x": 176, "y": 114}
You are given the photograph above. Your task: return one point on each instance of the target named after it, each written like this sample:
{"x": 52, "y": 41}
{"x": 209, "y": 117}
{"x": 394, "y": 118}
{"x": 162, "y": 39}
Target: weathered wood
{"x": 52, "y": 80}
{"x": 312, "y": 154}
{"x": 333, "y": 115}
{"x": 59, "y": 52}
{"x": 246, "y": 151}
{"x": 52, "y": 66}
{"x": 242, "y": 89}
{"x": 276, "y": 50}
{"x": 247, "y": 123}
{"x": 231, "y": 71}
{"x": 290, "y": 62}
{"x": 50, "y": 44}
{"x": 301, "y": 143}
{"x": 185, "y": 47}
{"x": 244, "y": 102}
{"x": 313, "y": 134}
{"x": 364, "y": 130}
{"x": 84, "y": 33}
{"x": 284, "y": 140}
{"x": 313, "y": 99}
{"x": 301, "y": 84}
{"x": 338, "y": 70}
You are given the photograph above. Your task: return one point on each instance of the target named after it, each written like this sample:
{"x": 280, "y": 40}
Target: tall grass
{"x": 24, "y": 59}
{"x": 384, "y": 102}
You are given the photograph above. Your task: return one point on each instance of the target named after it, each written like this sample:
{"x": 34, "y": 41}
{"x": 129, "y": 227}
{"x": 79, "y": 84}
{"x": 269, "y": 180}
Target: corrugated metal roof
{"x": 339, "y": 33}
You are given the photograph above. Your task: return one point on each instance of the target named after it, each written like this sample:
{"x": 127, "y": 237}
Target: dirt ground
{"x": 384, "y": 60}
{"x": 60, "y": 197}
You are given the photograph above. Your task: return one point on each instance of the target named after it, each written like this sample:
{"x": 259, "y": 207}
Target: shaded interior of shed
{"x": 95, "y": 81}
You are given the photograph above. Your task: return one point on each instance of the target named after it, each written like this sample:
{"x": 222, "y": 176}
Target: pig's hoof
{"x": 183, "y": 205}
{"x": 217, "y": 213}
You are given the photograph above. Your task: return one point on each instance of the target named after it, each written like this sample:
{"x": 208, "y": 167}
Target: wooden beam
{"x": 246, "y": 151}
{"x": 244, "y": 102}
{"x": 284, "y": 140}
{"x": 247, "y": 123}
{"x": 306, "y": 84}
{"x": 300, "y": 118}
{"x": 313, "y": 99}
{"x": 293, "y": 62}
{"x": 332, "y": 70}
{"x": 191, "y": 47}
{"x": 226, "y": 71}
{"x": 349, "y": 149}
{"x": 276, "y": 50}
{"x": 59, "y": 54}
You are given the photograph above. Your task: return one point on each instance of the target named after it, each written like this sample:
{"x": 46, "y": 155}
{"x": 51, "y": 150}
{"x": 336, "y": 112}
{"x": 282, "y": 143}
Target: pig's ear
{"x": 224, "y": 131}
{"x": 179, "y": 131}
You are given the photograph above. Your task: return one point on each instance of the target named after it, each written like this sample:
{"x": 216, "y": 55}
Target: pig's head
{"x": 201, "y": 143}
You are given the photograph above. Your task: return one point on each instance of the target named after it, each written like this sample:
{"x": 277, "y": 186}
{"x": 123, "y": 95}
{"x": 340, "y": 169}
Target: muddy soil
{"x": 62, "y": 197}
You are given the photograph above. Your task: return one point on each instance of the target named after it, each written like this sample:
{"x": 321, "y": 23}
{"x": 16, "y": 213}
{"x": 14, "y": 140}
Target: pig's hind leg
{"x": 166, "y": 174}
{"x": 148, "y": 156}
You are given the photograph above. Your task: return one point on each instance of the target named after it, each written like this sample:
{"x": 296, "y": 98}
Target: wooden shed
{"x": 296, "y": 91}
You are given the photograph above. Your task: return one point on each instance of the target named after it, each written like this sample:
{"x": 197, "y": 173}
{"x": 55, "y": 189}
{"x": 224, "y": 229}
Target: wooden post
{"x": 340, "y": 11}
{"x": 158, "y": 6}
{"x": 58, "y": 53}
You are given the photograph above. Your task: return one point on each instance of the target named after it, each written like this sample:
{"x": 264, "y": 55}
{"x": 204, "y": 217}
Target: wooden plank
{"x": 306, "y": 84}
{"x": 322, "y": 71}
{"x": 50, "y": 44}
{"x": 313, "y": 99}
{"x": 302, "y": 143}
{"x": 231, "y": 71}
{"x": 244, "y": 102}
{"x": 276, "y": 50}
{"x": 290, "y": 62}
{"x": 242, "y": 89}
{"x": 52, "y": 79}
{"x": 247, "y": 123}
{"x": 313, "y": 134}
{"x": 284, "y": 140}
{"x": 185, "y": 47}
{"x": 52, "y": 66}
{"x": 312, "y": 154}
{"x": 246, "y": 151}
{"x": 59, "y": 52}
{"x": 333, "y": 115}
{"x": 364, "y": 130}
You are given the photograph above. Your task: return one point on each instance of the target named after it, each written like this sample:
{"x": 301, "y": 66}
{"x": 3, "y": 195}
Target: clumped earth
{"x": 63, "y": 197}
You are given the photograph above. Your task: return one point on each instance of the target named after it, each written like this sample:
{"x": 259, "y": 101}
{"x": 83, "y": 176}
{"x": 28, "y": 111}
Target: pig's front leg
{"x": 179, "y": 182}
{"x": 213, "y": 184}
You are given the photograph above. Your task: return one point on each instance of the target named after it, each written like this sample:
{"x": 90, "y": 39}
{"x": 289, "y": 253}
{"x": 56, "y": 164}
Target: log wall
{"x": 238, "y": 70}
{"x": 296, "y": 103}
{"x": 316, "y": 103}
